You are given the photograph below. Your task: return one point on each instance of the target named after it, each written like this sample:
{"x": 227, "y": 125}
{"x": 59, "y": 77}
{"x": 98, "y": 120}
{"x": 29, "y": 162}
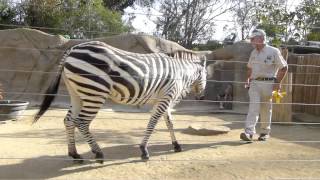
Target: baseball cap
{"x": 257, "y": 32}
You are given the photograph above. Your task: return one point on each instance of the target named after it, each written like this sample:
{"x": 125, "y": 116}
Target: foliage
{"x": 246, "y": 16}
{"x": 276, "y": 20}
{"x": 89, "y": 19}
{"x": 210, "y": 45}
{"x": 313, "y": 36}
{"x": 39, "y": 13}
{"x": 282, "y": 25}
{"x": 78, "y": 19}
{"x": 120, "y": 5}
{"x": 7, "y": 13}
{"x": 308, "y": 16}
{"x": 187, "y": 22}
{"x": 275, "y": 17}
{"x": 230, "y": 39}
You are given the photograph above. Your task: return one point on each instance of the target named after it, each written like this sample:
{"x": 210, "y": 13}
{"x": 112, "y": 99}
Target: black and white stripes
{"x": 94, "y": 71}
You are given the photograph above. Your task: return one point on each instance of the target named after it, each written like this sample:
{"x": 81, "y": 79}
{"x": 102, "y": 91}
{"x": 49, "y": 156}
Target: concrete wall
{"x": 29, "y": 60}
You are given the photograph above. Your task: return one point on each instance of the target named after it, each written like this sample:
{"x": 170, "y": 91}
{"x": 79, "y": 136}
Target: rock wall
{"x": 231, "y": 68}
{"x": 29, "y": 59}
{"x": 27, "y": 62}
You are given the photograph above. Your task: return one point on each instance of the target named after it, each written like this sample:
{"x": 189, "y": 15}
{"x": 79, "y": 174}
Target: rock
{"x": 29, "y": 59}
{"x": 205, "y": 130}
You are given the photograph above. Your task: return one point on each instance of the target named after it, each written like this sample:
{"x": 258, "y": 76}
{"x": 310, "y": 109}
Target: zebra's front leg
{"x": 72, "y": 150}
{"x": 143, "y": 146}
{"x": 168, "y": 118}
{"x": 84, "y": 130}
{"x": 159, "y": 110}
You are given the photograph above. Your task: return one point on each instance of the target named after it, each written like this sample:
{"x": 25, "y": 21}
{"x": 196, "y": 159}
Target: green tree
{"x": 210, "y": 45}
{"x": 308, "y": 19}
{"x": 7, "y": 14}
{"x": 88, "y": 19}
{"x": 120, "y": 5}
{"x": 276, "y": 19}
{"x": 78, "y": 19}
{"x": 245, "y": 13}
{"x": 189, "y": 21}
{"x": 46, "y": 15}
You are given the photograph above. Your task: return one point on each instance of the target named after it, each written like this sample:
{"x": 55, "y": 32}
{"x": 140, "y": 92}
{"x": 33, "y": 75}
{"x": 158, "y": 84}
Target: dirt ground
{"x": 39, "y": 151}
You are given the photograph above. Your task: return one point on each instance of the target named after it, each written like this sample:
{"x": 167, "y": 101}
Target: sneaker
{"x": 263, "y": 137}
{"x": 246, "y": 137}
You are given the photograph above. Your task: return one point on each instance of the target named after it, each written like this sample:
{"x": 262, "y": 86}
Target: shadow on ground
{"x": 45, "y": 167}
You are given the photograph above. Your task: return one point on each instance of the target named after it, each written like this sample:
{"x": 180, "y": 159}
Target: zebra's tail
{"x": 48, "y": 97}
{"x": 51, "y": 91}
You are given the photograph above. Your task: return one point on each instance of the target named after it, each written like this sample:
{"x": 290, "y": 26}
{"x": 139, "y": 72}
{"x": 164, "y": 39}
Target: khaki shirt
{"x": 266, "y": 63}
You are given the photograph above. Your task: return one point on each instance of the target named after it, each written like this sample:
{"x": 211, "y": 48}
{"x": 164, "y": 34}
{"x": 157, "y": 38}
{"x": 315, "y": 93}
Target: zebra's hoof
{"x": 176, "y": 147}
{"x": 145, "y": 153}
{"x": 99, "y": 157}
{"x": 77, "y": 159}
{"x": 201, "y": 98}
{"x": 145, "y": 157}
{"x": 100, "y": 161}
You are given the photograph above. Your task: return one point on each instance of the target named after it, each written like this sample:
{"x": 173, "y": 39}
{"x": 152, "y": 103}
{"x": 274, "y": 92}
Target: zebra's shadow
{"x": 122, "y": 152}
{"x": 45, "y": 167}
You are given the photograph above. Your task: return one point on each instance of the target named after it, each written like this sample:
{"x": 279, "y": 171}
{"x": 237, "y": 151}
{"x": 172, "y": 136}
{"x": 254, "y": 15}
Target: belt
{"x": 265, "y": 78}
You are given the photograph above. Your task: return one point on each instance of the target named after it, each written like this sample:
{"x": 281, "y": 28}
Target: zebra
{"x": 95, "y": 71}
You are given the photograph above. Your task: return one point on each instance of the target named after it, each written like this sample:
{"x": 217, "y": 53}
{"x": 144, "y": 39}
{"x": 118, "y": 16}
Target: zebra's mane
{"x": 185, "y": 55}
{"x": 179, "y": 54}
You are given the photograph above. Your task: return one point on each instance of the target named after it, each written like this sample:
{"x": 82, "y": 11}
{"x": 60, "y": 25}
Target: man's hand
{"x": 1, "y": 97}
{"x": 281, "y": 73}
{"x": 276, "y": 86}
{"x": 249, "y": 72}
{"x": 247, "y": 84}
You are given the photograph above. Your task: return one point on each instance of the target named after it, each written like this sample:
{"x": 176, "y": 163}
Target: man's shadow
{"x": 45, "y": 167}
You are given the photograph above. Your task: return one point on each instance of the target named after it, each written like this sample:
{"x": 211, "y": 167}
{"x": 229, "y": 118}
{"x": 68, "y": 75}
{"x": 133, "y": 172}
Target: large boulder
{"x": 29, "y": 59}
{"x": 231, "y": 69}
{"x": 27, "y": 62}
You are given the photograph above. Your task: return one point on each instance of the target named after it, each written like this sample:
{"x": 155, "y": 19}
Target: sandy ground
{"x": 39, "y": 151}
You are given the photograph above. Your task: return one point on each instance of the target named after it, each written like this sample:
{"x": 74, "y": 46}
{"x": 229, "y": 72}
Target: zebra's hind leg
{"x": 168, "y": 118}
{"x": 72, "y": 150}
{"x": 84, "y": 130}
{"x": 83, "y": 110}
{"x": 87, "y": 113}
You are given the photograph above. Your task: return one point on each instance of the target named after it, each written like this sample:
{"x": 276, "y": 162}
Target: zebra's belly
{"x": 140, "y": 100}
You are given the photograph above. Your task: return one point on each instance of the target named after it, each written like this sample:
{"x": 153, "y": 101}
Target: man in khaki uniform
{"x": 266, "y": 69}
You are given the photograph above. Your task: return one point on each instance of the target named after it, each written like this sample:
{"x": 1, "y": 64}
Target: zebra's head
{"x": 200, "y": 83}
